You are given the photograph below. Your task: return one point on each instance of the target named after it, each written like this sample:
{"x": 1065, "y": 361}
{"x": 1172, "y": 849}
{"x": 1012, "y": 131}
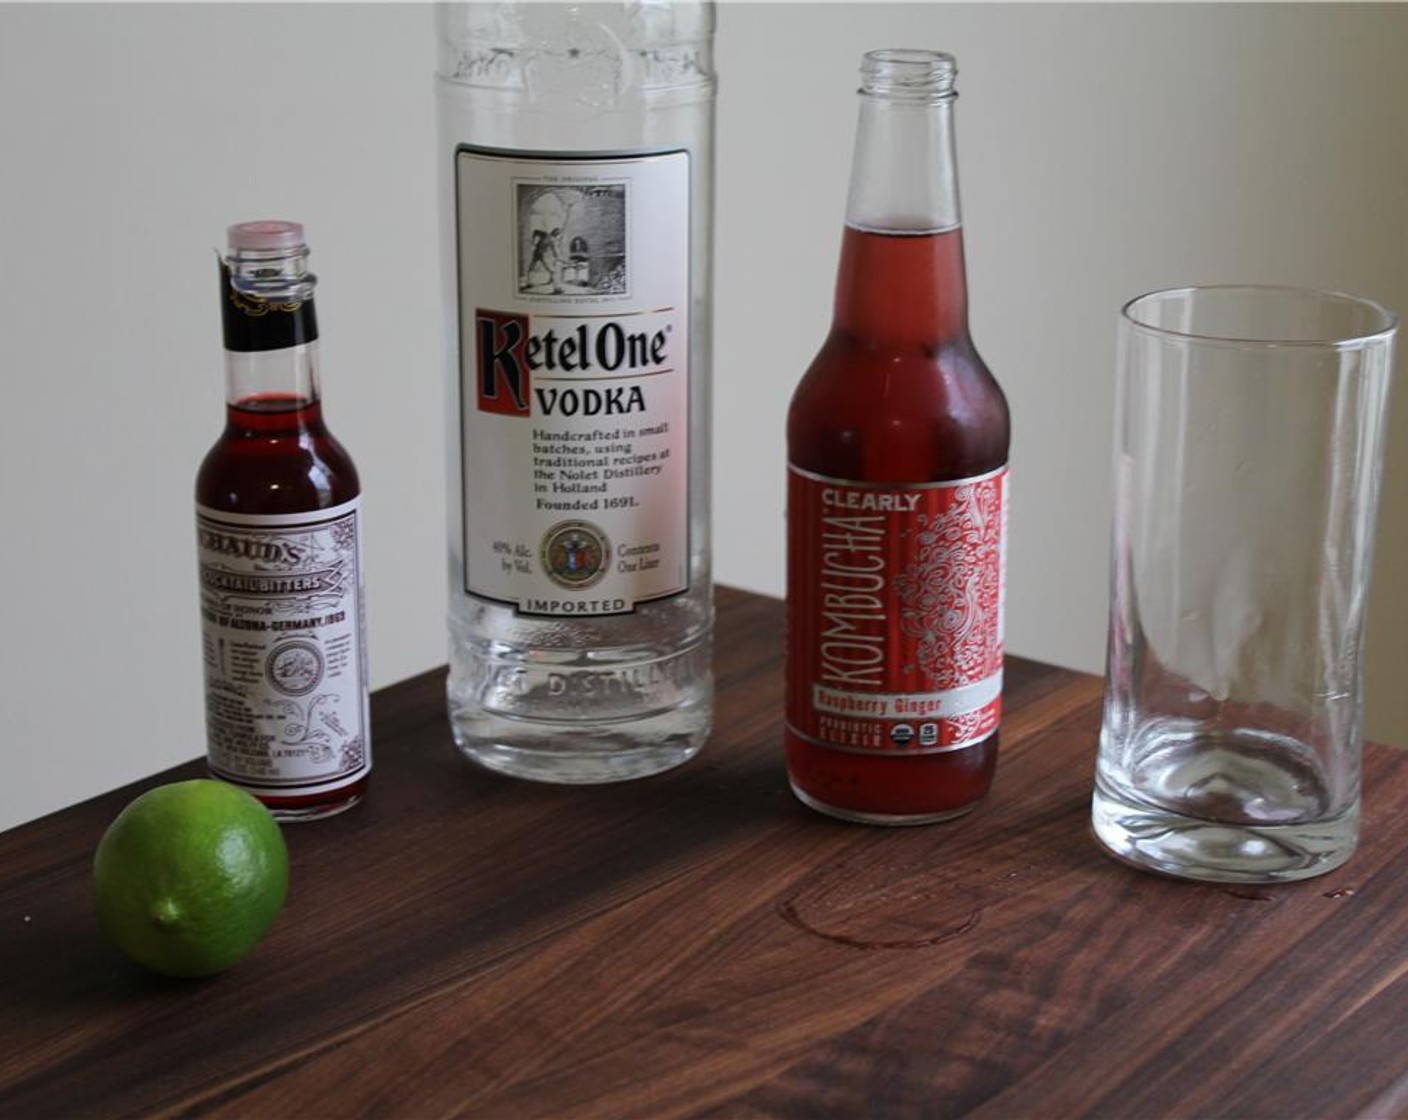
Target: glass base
{"x": 857, "y": 816}
{"x": 295, "y": 808}
{"x": 314, "y": 812}
{"x": 584, "y": 717}
{"x": 588, "y": 752}
{"x": 566, "y": 767}
{"x": 1169, "y": 843}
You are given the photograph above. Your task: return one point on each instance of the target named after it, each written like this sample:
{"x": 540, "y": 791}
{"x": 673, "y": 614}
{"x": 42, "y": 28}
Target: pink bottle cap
{"x": 266, "y": 235}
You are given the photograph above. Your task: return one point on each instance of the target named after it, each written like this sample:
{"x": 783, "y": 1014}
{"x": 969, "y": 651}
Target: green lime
{"x": 189, "y": 877}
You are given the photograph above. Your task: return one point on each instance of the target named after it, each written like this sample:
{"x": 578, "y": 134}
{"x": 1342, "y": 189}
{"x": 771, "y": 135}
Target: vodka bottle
{"x": 897, "y": 488}
{"x": 278, "y": 520}
{"x": 575, "y": 160}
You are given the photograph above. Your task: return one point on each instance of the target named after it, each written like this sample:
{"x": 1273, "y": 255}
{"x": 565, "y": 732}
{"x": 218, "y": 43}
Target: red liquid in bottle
{"x": 897, "y": 395}
{"x": 276, "y": 456}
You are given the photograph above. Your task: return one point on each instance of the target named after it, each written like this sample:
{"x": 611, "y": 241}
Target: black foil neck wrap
{"x": 253, "y": 324}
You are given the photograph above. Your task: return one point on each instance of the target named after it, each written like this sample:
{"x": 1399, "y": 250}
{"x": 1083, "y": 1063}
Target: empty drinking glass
{"x": 1248, "y": 451}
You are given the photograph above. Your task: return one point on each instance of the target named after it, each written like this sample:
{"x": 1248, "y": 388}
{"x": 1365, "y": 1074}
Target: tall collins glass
{"x": 576, "y": 175}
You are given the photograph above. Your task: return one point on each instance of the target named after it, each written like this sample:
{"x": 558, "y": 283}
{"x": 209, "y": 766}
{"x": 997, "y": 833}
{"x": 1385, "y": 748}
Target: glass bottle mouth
{"x": 266, "y": 236}
{"x": 268, "y": 260}
{"x": 905, "y": 74}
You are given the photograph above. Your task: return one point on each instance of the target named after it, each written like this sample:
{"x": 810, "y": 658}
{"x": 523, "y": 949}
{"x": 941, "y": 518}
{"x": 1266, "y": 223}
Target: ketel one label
{"x": 897, "y": 612}
{"x": 574, "y": 379}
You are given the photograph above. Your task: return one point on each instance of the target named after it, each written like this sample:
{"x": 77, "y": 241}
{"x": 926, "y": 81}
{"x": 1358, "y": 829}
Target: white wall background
{"x": 1104, "y": 150}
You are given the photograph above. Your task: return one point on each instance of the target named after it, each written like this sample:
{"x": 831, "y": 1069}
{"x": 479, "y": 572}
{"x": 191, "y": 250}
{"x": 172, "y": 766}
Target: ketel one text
{"x": 509, "y": 353}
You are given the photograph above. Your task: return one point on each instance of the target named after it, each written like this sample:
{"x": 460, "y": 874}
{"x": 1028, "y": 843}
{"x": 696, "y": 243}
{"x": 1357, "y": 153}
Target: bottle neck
{"x": 272, "y": 380}
{"x": 904, "y": 175}
{"x": 902, "y": 272}
{"x": 271, "y": 332}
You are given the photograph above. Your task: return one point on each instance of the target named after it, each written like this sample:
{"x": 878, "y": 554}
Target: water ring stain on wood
{"x": 789, "y": 913}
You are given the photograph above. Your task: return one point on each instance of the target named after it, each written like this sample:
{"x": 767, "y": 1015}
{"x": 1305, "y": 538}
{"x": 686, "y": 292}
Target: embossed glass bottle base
{"x": 1244, "y": 809}
{"x": 564, "y": 719}
{"x": 579, "y": 755}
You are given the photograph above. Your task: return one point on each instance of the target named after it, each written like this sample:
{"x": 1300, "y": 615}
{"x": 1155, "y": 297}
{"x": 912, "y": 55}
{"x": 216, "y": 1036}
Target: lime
{"x": 189, "y": 877}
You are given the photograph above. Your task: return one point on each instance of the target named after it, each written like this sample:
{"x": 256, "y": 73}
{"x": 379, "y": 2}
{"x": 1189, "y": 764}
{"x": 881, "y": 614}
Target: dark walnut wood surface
{"x": 699, "y": 944}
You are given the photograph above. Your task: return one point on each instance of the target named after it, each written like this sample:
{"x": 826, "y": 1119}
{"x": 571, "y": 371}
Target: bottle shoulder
{"x": 910, "y": 412}
{"x": 293, "y": 472}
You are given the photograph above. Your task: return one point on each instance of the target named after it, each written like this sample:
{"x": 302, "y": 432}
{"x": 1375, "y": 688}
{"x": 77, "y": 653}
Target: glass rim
{"x": 911, "y": 74}
{"x": 1388, "y": 320}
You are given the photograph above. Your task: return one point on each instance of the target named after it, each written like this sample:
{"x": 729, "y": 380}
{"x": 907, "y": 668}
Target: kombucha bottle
{"x": 278, "y": 528}
{"x": 897, "y": 489}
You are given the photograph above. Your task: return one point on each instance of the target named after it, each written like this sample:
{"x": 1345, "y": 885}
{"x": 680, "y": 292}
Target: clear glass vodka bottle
{"x": 576, "y": 172}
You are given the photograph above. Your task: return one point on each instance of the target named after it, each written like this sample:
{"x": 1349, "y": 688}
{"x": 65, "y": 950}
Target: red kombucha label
{"x": 895, "y": 612}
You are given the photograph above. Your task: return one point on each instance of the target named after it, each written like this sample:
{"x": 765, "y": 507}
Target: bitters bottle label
{"x": 284, "y": 648}
{"x": 896, "y": 614}
{"x": 574, "y": 378}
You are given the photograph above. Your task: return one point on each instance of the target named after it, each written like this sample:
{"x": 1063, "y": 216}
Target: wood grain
{"x": 698, "y": 944}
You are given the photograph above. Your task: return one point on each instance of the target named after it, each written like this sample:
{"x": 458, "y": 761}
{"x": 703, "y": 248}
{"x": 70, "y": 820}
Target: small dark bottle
{"x": 278, "y": 518}
{"x": 897, "y": 443}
